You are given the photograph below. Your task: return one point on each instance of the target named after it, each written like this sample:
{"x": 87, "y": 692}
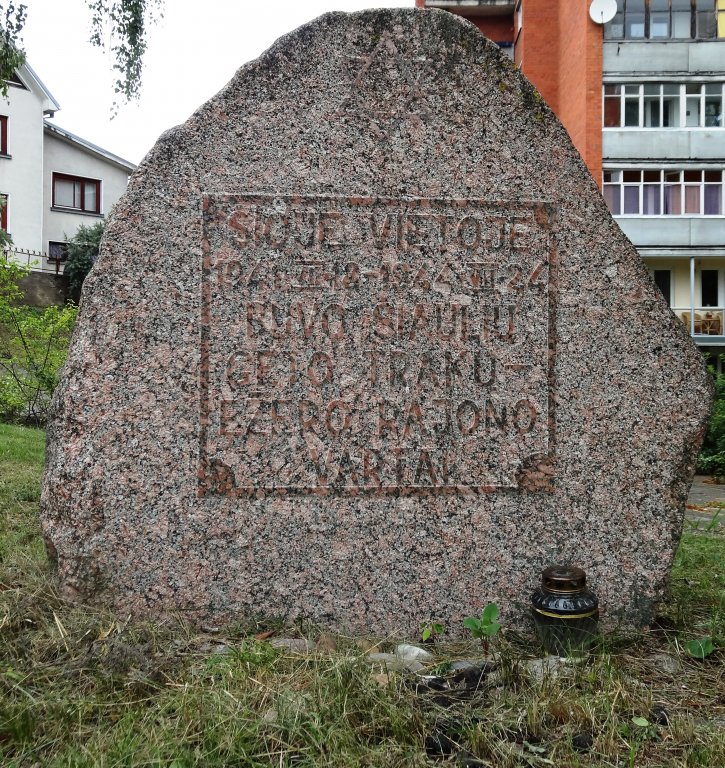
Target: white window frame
{"x": 630, "y": 92}
{"x": 614, "y": 179}
{"x": 642, "y": 11}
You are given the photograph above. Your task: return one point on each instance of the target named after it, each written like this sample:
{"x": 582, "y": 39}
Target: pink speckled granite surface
{"x": 364, "y": 345}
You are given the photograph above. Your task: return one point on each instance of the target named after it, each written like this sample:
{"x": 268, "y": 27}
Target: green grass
{"x": 82, "y": 687}
{"x": 21, "y": 465}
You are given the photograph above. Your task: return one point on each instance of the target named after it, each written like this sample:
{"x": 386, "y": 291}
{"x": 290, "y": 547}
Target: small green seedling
{"x": 642, "y": 731}
{"x": 430, "y": 629}
{"x": 700, "y": 648}
{"x": 486, "y": 627}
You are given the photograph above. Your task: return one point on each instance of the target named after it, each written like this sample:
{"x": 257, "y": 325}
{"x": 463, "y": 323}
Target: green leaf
{"x": 472, "y": 623}
{"x": 700, "y": 648}
{"x": 642, "y": 722}
{"x": 425, "y": 635}
{"x": 491, "y": 629}
{"x": 490, "y": 613}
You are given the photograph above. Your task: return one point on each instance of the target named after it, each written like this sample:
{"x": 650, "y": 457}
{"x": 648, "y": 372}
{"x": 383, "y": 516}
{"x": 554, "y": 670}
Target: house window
{"x": 666, "y": 19}
{"x": 4, "y": 135}
{"x": 4, "y": 212}
{"x": 76, "y": 193}
{"x": 57, "y": 251}
{"x": 663, "y": 280}
{"x": 645, "y": 192}
{"x": 663, "y": 105}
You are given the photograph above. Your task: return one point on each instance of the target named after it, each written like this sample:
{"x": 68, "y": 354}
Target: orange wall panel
{"x": 538, "y": 48}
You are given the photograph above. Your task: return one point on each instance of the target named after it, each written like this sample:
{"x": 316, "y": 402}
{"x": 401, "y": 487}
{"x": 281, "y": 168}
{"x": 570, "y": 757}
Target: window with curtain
{"x": 667, "y": 19}
{"x": 76, "y": 193}
{"x": 3, "y": 135}
{"x": 664, "y": 192}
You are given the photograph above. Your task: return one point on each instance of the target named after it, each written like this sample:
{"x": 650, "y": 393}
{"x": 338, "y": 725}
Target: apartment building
{"x": 639, "y": 85}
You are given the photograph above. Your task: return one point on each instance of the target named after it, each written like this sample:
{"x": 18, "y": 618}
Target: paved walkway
{"x": 705, "y": 502}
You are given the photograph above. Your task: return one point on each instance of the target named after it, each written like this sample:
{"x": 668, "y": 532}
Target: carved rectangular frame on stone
{"x": 261, "y": 250}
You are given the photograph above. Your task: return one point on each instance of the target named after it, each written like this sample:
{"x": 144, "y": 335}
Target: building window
{"x": 663, "y": 105}
{"x": 4, "y": 212}
{"x": 4, "y": 135}
{"x": 57, "y": 251}
{"x": 76, "y": 193}
{"x": 663, "y": 280}
{"x": 709, "y": 285}
{"x": 645, "y": 192}
{"x": 667, "y": 19}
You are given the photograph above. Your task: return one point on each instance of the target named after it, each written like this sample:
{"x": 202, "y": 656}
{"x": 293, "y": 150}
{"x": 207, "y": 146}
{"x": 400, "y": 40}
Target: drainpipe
{"x": 692, "y": 295}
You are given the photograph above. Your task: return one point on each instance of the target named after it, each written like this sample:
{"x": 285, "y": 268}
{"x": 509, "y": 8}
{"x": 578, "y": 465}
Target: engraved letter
{"x": 468, "y": 417}
{"x": 308, "y": 418}
{"x": 388, "y": 414}
{"x": 333, "y": 321}
{"x": 330, "y": 227}
{"x": 319, "y": 377}
{"x": 384, "y": 321}
{"x": 478, "y": 376}
{"x": 414, "y": 418}
{"x": 524, "y": 416}
{"x": 337, "y": 417}
{"x": 468, "y": 232}
{"x": 239, "y": 369}
{"x": 242, "y": 222}
{"x": 381, "y": 231}
{"x": 371, "y": 469}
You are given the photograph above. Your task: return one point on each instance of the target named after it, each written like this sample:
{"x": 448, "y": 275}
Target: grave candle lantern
{"x": 565, "y": 612}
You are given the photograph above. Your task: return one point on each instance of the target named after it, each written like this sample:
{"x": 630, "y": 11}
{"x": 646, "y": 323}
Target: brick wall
{"x": 537, "y": 48}
{"x": 560, "y": 49}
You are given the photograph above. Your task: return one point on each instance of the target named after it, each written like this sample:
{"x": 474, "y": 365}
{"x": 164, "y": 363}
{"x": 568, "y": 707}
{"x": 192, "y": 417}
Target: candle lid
{"x": 563, "y": 578}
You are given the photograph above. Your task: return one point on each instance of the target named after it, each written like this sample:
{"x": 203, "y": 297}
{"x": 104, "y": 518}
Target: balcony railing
{"x": 703, "y": 321}
{"x": 473, "y": 6}
{"x": 35, "y": 260}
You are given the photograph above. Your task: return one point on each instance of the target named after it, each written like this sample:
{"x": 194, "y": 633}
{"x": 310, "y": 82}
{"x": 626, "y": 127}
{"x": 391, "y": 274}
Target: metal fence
{"x": 37, "y": 261}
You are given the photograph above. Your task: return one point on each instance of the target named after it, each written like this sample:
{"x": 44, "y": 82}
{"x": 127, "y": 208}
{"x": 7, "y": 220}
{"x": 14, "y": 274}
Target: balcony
{"x": 474, "y": 7}
{"x": 704, "y": 323}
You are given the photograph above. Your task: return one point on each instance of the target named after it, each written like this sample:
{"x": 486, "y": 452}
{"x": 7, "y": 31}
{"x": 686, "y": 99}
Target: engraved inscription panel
{"x": 366, "y": 345}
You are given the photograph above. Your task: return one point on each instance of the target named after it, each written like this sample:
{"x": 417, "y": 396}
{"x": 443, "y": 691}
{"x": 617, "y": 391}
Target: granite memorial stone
{"x": 364, "y": 345}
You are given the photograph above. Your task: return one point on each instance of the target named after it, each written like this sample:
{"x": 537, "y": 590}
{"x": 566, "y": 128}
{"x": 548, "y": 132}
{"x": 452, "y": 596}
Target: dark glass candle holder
{"x": 566, "y": 613}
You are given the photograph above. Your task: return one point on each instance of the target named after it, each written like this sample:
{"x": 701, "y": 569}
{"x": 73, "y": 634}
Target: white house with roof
{"x": 51, "y": 180}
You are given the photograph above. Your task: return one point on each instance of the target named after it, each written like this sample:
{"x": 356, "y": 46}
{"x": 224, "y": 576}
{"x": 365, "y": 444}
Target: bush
{"x": 33, "y": 348}
{"x": 82, "y": 250}
{"x": 712, "y": 465}
{"x": 711, "y": 460}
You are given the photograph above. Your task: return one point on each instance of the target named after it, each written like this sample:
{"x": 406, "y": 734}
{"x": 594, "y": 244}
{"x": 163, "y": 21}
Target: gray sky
{"x": 193, "y": 51}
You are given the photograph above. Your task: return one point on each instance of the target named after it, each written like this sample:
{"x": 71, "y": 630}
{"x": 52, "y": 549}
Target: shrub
{"x": 82, "y": 250}
{"x": 33, "y": 348}
{"x": 712, "y": 465}
{"x": 711, "y": 460}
